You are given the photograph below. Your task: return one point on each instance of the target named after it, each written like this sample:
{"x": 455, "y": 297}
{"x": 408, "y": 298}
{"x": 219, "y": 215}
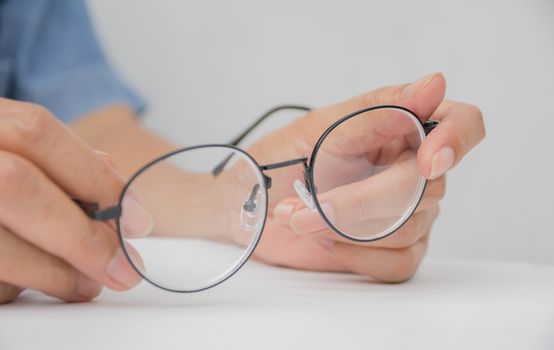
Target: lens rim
{"x": 251, "y": 247}
{"x": 310, "y": 172}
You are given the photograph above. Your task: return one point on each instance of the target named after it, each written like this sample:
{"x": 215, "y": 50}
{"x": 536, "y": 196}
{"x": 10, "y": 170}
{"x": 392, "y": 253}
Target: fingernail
{"x": 136, "y": 221}
{"x": 416, "y": 86}
{"x": 441, "y": 161}
{"x": 87, "y": 288}
{"x": 283, "y": 212}
{"x": 121, "y": 271}
{"x": 135, "y": 257}
{"x": 307, "y": 221}
{"x": 327, "y": 243}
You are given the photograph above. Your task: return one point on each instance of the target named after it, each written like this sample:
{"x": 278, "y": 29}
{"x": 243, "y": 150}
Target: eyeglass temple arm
{"x": 219, "y": 168}
{"x": 429, "y": 125}
{"x": 92, "y": 211}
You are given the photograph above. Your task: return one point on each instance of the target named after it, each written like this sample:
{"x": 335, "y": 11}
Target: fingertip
{"x": 136, "y": 220}
{"x": 326, "y": 243}
{"x": 283, "y": 211}
{"x": 433, "y": 165}
{"x": 87, "y": 289}
{"x": 424, "y": 95}
{"x": 8, "y": 293}
{"x": 438, "y": 153}
{"x": 120, "y": 271}
{"x": 135, "y": 256}
{"x": 441, "y": 162}
{"x": 306, "y": 221}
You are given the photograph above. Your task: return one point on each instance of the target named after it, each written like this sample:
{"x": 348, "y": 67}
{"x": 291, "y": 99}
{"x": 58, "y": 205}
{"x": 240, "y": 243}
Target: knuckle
{"x": 8, "y": 293}
{"x": 28, "y": 127}
{"x": 437, "y": 189}
{"x": 477, "y": 121}
{"x": 95, "y": 247}
{"x": 407, "y": 235}
{"x": 460, "y": 141}
{"x": 436, "y": 211}
{"x": 405, "y": 265}
{"x": 366, "y": 100}
{"x": 480, "y": 121}
{"x": 441, "y": 190}
{"x": 105, "y": 185}
{"x": 380, "y": 96}
{"x": 61, "y": 278}
{"x": 405, "y": 179}
{"x": 13, "y": 174}
{"x": 359, "y": 206}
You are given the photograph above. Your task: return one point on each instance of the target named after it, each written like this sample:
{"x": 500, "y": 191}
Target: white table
{"x": 448, "y": 305}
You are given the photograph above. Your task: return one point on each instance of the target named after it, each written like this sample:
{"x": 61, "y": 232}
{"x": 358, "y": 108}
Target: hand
{"x": 293, "y": 235}
{"x": 46, "y": 241}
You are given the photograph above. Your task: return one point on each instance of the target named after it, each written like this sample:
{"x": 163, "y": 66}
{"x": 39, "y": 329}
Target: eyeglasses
{"x": 209, "y": 203}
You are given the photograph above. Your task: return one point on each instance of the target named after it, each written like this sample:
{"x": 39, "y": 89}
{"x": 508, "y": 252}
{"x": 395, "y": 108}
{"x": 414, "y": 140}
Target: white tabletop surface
{"x": 448, "y": 305}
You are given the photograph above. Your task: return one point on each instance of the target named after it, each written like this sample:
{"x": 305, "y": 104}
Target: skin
{"x": 48, "y": 244}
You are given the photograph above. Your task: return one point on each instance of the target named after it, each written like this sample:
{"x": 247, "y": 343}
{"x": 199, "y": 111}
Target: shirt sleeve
{"x": 58, "y": 61}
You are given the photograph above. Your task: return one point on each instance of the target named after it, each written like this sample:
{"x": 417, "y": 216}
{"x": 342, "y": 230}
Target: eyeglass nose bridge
{"x": 286, "y": 163}
{"x": 303, "y": 190}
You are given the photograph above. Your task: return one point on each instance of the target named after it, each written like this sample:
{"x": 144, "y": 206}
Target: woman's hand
{"x": 295, "y": 236}
{"x": 46, "y": 241}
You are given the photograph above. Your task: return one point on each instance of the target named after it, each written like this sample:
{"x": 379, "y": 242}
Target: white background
{"x": 207, "y": 68}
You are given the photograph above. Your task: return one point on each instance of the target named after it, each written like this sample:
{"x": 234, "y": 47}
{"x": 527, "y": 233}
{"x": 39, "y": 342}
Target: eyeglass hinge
{"x": 267, "y": 181}
{"x": 92, "y": 211}
{"x": 429, "y": 125}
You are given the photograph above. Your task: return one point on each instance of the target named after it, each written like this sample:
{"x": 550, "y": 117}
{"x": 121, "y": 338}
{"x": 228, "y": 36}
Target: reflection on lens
{"x": 203, "y": 226}
{"x": 365, "y": 173}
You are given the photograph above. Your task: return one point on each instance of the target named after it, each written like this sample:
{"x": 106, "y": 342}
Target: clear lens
{"x": 187, "y": 229}
{"x": 365, "y": 173}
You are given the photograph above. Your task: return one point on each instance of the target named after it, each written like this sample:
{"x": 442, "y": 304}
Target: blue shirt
{"x": 50, "y": 55}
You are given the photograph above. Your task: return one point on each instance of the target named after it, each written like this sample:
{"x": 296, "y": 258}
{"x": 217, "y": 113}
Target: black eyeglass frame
{"x": 94, "y": 212}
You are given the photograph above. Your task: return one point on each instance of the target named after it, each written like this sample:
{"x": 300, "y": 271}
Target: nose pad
{"x": 304, "y": 195}
{"x": 250, "y": 211}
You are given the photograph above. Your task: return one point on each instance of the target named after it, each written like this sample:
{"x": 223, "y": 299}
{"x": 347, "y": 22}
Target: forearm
{"x": 116, "y": 131}
{"x": 172, "y": 195}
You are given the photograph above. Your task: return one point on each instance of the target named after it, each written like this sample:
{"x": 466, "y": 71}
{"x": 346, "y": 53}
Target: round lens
{"x": 365, "y": 174}
{"x": 192, "y": 218}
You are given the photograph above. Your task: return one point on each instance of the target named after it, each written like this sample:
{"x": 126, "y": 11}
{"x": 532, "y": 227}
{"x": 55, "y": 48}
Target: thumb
{"x": 424, "y": 95}
{"x": 421, "y": 97}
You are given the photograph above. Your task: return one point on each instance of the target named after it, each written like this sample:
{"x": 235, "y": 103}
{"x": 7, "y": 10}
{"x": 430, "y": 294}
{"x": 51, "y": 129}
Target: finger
{"x": 378, "y": 200}
{"x": 35, "y": 209}
{"x": 382, "y": 264}
{"x": 281, "y": 247}
{"x": 23, "y": 264}
{"x": 413, "y": 230}
{"x": 434, "y": 193}
{"x": 34, "y": 133}
{"x": 461, "y": 128}
{"x": 407, "y": 235}
{"x": 369, "y": 205}
{"x": 421, "y": 97}
{"x": 137, "y": 221}
{"x": 8, "y": 292}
